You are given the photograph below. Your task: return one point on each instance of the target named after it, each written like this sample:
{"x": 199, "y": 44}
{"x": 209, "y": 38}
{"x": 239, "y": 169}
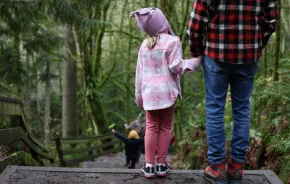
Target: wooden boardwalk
{"x": 59, "y": 175}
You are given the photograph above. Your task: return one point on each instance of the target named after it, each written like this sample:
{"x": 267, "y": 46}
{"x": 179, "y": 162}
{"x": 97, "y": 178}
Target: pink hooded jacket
{"x": 157, "y": 84}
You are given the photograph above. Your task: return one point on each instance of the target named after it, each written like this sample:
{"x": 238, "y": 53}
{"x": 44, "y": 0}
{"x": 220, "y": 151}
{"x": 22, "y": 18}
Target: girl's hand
{"x": 201, "y": 60}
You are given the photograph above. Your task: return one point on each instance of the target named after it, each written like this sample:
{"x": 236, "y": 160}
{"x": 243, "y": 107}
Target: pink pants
{"x": 158, "y": 128}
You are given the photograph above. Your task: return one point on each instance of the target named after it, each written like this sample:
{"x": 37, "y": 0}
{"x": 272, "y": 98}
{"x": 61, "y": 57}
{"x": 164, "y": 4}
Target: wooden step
{"x": 58, "y": 175}
{"x": 116, "y": 161}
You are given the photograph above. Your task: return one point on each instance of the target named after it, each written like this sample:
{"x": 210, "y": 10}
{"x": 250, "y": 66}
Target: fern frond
{"x": 118, "y": 115}
{"x": 65, "y": 12}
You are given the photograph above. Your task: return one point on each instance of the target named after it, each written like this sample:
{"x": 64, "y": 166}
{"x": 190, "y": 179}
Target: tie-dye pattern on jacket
{"x": 157, "y": 84}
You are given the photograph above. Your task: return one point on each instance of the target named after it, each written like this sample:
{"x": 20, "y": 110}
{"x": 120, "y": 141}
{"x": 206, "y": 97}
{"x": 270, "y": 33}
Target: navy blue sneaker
{"x": 148, "y": 171}
{"x": 161, "y": 170}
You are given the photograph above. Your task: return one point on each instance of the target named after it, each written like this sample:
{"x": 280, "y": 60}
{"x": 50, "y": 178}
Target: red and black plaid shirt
{"x": 230, "y": 32}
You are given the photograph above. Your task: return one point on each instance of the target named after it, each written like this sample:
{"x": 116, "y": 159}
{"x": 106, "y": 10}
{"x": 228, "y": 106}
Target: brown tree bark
{"x": 278, "y": 42}
{"x": 69, "y": 85}
{"x": 47, "y": 117}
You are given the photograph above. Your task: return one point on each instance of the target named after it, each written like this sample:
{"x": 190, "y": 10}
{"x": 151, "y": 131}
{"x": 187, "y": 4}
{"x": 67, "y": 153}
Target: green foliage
{"x": 18, "y": 158}
{"x": 285, "y": 169}
{"x": 271, "y": 106}
{"x": 12, "y": 70}
{"x": 67, "y": 13}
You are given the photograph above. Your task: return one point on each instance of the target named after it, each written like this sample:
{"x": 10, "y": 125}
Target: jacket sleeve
{"x": 122, "y": 138}
{"x": 179, "y": 66}
{"x": 268, "y": 21}
{"x": 138, "y": 83}
{"x": 199, "y": 18}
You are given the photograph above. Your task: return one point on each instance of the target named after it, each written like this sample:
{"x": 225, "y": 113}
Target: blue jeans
{"x": 218, "y": 76}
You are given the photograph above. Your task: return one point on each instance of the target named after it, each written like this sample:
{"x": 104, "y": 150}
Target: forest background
{"x": 72, "y": 63}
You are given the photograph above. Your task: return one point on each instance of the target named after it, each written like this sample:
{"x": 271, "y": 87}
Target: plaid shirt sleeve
{"x": 199, "y": 19}
{"x": 269, "y": 20}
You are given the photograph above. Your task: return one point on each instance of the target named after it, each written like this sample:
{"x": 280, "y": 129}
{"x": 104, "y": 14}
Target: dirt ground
{"x": 48, "y": 177}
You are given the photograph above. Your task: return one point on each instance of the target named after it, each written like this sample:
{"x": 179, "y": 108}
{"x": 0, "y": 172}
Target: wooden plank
{"x": 272, "y": 177}
{"x": 113, "y": 150}
{"x": 13, "y": 134}
{"x": 105, "y": 170}
{"x": 52, "y": 175}
{"x": 5, "y": 175}
{"x": 14, "y": 107}
{"x": 34, "y": 147}
{"x": 30, "y": 135}
{"x": 59, "y": 152}
{"x": 85, "y": 139}
{"x": 10, "y": 135}
{"x": 118, "y": 170}
{"x": 82, "y": 150}
{"x": 8, "y": 108}
{"x": 79, "y": 160}
{"x": 90, "y": 157}
{"x": 10, "y": 100}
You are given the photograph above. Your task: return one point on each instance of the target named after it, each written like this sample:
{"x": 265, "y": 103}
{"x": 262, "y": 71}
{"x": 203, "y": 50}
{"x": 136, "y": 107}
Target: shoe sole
{"x": 162, "y": 174}
{"x": 212, "y": 181}
{"x": 148, "y": 175}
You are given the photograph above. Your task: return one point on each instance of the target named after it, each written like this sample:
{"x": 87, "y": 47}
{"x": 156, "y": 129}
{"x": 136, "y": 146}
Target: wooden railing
{"x": 11, "y": 135}
{"x": 77, "y": 149}
{"x": 18, "y": 132}
{"x": 94, "y": 147}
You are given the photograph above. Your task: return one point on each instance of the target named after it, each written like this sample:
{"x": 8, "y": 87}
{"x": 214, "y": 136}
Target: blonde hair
{"x": 151, "y": 41}
{"x": 133, "y": 134}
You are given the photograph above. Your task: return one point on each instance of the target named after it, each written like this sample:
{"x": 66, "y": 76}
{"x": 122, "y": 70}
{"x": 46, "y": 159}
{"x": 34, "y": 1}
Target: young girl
{"x": 158, "y": 69}
{"x": 132, "y": 144}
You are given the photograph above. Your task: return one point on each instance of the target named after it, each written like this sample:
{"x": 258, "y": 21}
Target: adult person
{"x": 138, "y": 125}
{"x": 231, "y": 36}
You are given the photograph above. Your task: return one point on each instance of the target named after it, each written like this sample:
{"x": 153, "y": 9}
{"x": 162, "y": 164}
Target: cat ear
{"x": 142, "y": 11}
{"x": 132, "y": 14}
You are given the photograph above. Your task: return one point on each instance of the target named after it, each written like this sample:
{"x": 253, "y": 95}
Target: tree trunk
{"x": 99, "y": 120}
{"x": 47, "y": 117}
{"x": 265, "y": 62}
{"x": 92, "y": 74}
{"x": 278, "y": 40}
{"x": 60, "y": 77}
{"x": 126, "y": 76}
{"x": 37, "y": 89}
{"x": 155, "y": 2}
{"x": 146, "y": 3}
{"x": 69, "y": 85}
{"x": 163, "y": 5}
{"x": 81, "y": 59}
